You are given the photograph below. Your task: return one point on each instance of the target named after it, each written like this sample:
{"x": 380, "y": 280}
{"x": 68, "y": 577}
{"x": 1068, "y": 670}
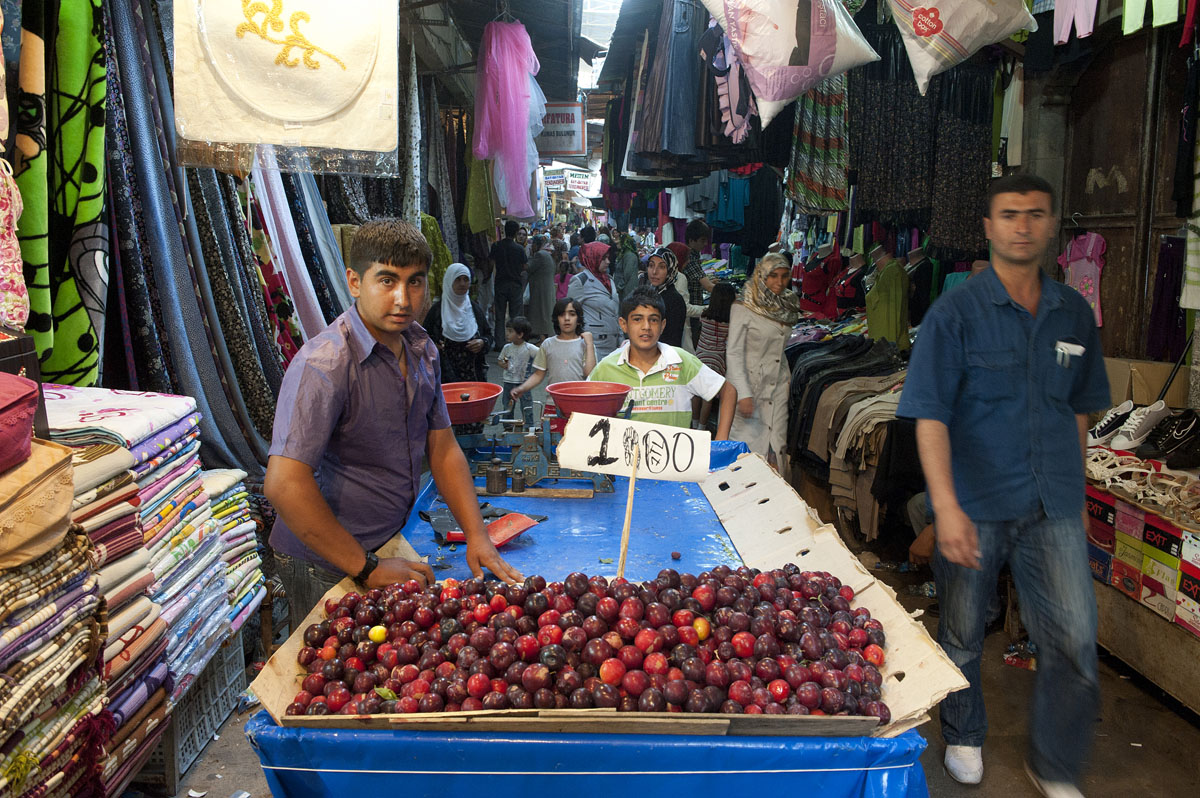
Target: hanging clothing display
{"x": 1081, "y": 13}
{"x": 1164, "y": 13}
{"x": 817, "y": 178}
{"x": 816, "y": 285}
{"x": 170, "y": 239}
{"x": 14, "y": 298}
{"x": 442, "y": 206}
{"x": 509, "y": 106}
{"x": 441, "y": 254}
{"x": 849, "y": 291}
{"x": 668, "y": 119}
{"x": 1190, "y": 295}
{"x": 887, "y": 306}
{"x": 1166, "y": 333}
{"x": 1012, "y": 118}
{"x": 921, "y": 160}
{"x": 4, "y": 117}
{"x": 410, "y": 158}
{"x": 1082, "y": 262}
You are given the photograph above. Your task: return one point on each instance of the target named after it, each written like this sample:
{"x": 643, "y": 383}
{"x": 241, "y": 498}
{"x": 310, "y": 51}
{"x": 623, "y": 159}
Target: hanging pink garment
{"x": 1081, "y": 12}
{"x": 506, "y": 112}
{"x": 1082, "y": 263}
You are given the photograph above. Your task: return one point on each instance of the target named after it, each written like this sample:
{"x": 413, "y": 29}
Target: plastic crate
{"x": 197, "y": 716}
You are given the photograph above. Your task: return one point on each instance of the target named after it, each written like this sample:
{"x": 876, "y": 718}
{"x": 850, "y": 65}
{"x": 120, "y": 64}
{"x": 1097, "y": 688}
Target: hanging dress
{"x": 1082, "y": 262}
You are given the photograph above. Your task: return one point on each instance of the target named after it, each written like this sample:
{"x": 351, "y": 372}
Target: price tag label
{"x": 605, "y": 445}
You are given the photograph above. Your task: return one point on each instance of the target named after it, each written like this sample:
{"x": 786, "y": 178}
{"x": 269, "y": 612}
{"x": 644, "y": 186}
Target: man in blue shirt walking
{"x": 1005, "y": 370}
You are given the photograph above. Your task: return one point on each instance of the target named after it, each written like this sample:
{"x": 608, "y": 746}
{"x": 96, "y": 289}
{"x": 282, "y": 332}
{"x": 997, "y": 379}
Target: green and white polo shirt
{"x": 664, "y": 395}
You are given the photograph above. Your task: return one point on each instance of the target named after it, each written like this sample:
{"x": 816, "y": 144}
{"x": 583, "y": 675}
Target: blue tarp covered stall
{"x": 584, "y": 535}
{"x": 311, "y": 763}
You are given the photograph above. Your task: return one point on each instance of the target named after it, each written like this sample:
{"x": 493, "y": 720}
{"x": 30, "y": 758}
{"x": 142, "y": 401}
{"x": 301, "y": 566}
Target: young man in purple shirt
{"x": 360, "y": 407}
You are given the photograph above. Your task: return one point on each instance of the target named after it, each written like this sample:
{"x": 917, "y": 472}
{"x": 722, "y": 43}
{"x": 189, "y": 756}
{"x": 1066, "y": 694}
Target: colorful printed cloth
{"x": 187, "y": 443}
{"x": 146, "y": 448}
{"x": 82, "y": 416}
{"x": 14, "y": 298}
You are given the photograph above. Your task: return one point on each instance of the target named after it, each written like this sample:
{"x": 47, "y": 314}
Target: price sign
{"x": 599, "y": 443}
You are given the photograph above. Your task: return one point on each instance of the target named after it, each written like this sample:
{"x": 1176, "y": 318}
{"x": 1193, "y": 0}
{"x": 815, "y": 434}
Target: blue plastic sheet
{"x": 310, "y": 763}
{"x": 585, "y": 534}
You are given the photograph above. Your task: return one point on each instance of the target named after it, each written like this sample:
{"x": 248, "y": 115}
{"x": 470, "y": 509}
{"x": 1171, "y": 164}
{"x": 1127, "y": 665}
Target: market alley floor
{"x": 1145, "y": 744}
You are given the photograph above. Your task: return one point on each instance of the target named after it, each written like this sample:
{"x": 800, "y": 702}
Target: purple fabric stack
{"x": 52, "y": 699}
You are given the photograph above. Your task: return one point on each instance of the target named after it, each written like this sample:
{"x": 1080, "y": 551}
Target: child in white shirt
{"x": 516, "y": 359}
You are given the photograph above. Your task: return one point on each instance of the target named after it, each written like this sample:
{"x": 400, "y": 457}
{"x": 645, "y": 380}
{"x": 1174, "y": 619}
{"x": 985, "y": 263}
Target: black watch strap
{"x": 369, "y": 566}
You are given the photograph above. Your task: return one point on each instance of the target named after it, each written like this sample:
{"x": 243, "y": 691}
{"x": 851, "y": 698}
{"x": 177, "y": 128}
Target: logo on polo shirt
{"x": 671, "y": 373}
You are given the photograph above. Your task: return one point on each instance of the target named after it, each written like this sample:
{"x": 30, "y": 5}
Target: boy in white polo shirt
{"x": 663, "y": 378}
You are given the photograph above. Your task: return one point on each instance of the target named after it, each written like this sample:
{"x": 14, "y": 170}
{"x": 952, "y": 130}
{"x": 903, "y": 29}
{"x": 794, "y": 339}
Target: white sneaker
{"x": 1052, "y": 789}
{"x": 1108, "y": 426}
{"x": 1137, "y": 428}
{"x": 964, "y": 763}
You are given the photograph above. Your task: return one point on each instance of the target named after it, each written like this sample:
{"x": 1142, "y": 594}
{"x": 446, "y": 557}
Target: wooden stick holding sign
{"x": 628, "y": 513}
{"x": 619, "y": 446}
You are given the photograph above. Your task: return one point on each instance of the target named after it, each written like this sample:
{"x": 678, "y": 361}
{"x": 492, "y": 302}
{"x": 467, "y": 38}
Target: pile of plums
{"x": 739, "y": 641}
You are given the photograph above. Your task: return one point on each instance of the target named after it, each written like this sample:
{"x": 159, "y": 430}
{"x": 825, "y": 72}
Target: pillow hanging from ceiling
{"x": 940, "y": 34}
{"x": 789, "y": 46}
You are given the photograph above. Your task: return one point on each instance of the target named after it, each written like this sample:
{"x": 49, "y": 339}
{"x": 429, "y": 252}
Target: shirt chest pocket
{"x": 992, "y": 375}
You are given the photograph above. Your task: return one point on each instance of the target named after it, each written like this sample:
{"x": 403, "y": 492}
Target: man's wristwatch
{"x": 369, "y": 566}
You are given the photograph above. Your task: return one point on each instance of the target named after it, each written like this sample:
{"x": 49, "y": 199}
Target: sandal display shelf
{"x": 1144, "y": 551}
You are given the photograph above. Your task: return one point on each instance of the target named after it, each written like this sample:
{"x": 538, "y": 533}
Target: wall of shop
{"x": 1104, "y": 130}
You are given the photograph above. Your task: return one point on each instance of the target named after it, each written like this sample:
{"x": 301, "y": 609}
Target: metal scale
{"x": 530, "y": 453}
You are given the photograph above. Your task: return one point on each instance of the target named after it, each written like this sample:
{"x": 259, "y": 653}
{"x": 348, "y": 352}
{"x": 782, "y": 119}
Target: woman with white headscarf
{"x": 459, "y": 328}
{"x": 759, "y": 326}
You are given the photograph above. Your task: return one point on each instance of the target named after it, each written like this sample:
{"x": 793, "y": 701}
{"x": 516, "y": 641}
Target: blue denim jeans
{"x": 1049, "y": 563}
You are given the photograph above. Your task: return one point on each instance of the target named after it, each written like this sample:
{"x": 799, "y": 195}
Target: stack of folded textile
{"x": 185, "y": 616}
{"x": 245, "y": 583}
{"x": 52, "y": 626}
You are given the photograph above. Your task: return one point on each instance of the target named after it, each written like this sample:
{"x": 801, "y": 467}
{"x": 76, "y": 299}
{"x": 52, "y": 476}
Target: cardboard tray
{"x": 770, "y": 525}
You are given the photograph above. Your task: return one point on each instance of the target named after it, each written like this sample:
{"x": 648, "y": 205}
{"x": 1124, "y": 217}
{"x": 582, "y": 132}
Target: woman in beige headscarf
{"x": 759, "y": 326}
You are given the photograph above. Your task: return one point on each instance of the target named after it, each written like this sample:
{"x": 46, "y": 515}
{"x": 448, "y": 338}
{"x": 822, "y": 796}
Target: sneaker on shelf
{"x": 1170, "y": 435}
{"x": 964, "y": 763}
{"x": 1138, "y": 426}
{"x": 1108, "y": 426}
{"x": 1052, "y": 789}
{"x": 1187, "y": 454}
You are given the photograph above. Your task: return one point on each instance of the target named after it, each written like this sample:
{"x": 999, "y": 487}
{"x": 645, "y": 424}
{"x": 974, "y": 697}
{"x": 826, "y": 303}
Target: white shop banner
{"x": 606, "y": 445}
{"x": 563, "y": 131}
{"x": 579, "y": 181}
{"x": 556, "y": 182}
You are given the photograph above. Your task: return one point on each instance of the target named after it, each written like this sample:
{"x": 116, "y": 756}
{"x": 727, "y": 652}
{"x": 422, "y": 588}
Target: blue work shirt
{"x": 992, "y": 373}
{"x": 346, "y": 410}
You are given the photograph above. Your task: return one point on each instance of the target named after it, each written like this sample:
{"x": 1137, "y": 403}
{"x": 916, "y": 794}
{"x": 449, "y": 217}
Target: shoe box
{"x": 1130, "y": 519}
{"x": 1100, "y": 561}
{"x": 1191, "y": 547}
{"x": 1128, "y": 550}
{"x": 1142, "y": 380}
{"x": 1127, "y": 578}
{"x": 1161, "y": 546}
{"x": 1187, "y": 598}
{"x": 1102, "y": 519}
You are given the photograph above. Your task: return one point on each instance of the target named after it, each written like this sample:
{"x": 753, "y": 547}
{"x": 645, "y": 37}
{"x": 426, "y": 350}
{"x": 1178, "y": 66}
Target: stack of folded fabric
{"x": 106, "y": 500}
{"x": 245, "y": 584}
{"x": 180, "y": 570}
{"x": 52, "y": 626}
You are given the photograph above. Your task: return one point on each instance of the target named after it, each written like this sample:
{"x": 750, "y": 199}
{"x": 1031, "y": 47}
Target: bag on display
{"x": 939, "y": 34}
{"x": 788, "y": 46}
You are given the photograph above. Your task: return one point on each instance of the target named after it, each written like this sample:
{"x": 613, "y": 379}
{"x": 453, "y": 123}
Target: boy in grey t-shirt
{"x": 517, "y": 361}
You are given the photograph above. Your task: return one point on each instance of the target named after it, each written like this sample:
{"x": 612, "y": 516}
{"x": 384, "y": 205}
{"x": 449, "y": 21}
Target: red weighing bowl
{"x": 470, "y": 402}
{"x": 597, "y": 398}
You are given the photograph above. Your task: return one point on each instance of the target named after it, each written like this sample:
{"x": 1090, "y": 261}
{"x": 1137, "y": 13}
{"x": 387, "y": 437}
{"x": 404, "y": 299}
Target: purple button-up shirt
{"x": 346, "y": 410}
